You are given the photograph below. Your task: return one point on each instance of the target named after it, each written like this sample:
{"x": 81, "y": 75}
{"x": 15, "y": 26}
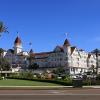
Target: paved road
{"x": 68, "y": 94}
{"x": 50, "y": 97}
{"x": 69, "y": 91}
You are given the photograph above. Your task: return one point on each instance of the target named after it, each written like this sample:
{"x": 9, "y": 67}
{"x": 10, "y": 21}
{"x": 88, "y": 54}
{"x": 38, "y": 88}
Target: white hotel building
{"x": 72, "y": 59}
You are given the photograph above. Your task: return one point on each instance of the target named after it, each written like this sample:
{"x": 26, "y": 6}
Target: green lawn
{"x": 15, "y": 82}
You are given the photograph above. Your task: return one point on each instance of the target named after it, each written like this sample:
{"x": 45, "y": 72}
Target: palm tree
{"x": 4, "y": 64}
{"x": 1, "y": 52}
{"x": 3, "y": 28}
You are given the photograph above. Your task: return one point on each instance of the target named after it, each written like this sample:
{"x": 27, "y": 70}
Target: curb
{"x": 45, "y": 87}
{"x": 34, "y": 87}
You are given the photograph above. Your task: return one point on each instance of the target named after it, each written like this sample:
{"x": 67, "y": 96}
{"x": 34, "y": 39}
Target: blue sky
{"x": 45, "y": 22}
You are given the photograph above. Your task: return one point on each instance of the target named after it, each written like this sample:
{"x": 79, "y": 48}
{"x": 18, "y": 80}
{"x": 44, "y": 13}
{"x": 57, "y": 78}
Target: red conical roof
{"x": 17, "y": 40}
{"x": 66, "y": 42}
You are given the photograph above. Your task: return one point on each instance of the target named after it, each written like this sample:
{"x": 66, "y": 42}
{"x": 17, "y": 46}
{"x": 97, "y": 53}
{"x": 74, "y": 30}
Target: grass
{"x": 15, "y": 82}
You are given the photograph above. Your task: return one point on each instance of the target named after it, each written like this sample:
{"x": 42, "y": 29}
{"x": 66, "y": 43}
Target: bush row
{"x": 61, "y": 82}
{"x": 68, "y": 82}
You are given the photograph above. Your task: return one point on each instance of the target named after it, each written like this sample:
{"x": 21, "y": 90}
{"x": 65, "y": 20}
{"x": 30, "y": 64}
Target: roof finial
{"x": 67, "y": 34}
{"x": 31, "y": 50}
{"x": 30, "y": 43}
{"x": 17, "y": 33}
{"x": 66, "y": 42}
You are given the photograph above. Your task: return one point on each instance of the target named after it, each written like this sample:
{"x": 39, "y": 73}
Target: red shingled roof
{"x": 66, "y": 43}
{"x": 72, "y": 49}
{"x": 17, "y": 40}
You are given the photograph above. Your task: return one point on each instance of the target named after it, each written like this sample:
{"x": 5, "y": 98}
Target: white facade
{"x": 18, "y": 49}
{"x": 74, "y": 60}
{"x": 91, "y": 61}
{"x": 16, "y": 57}
{"x": 17, "y": 45}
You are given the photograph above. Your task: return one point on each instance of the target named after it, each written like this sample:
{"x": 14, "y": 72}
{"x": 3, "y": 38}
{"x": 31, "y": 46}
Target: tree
{"x": 92, "y": 71}
{"x": 33, "y": 66}
{"x": 59, "y": 71}
{"x": 1, "y": 51}
{"x": 4, "y": 64}
{"x": 96, "y": 52}
{"x": 3, "y": 28}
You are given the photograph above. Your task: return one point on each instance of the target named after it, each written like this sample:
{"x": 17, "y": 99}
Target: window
{"x": 71, "y": 69}
{"x": 91, "y": 61}
{"x": 66, "y": 58}
{"x": 76, "y": 69}
{"x": 81, "y": 69}
{"x": 78, "y": 59}
{"x": 60, "y": 59}
{"x": 78, "y": 63}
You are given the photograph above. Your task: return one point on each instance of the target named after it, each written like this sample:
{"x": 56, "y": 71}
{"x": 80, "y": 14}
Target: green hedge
{"x": 61, "y": 82}
{"x": 65, "y": 83}
{"x": 91, "y": 82}
{"x": 29, "y": 76}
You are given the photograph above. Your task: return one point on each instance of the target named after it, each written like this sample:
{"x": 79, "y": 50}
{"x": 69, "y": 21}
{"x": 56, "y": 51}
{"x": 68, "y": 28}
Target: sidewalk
{"x": 35, "y": 87}
{"x": 96, "y": 86}
{"x": 45, "y": 87}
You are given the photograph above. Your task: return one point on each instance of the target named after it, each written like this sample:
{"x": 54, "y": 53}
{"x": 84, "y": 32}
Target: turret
{"x": 67, "y": 46}
{"x": 17, "y": 45}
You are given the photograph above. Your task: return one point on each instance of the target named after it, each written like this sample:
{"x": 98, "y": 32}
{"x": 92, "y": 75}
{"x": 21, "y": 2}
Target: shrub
{"x": 66, "y": 83}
